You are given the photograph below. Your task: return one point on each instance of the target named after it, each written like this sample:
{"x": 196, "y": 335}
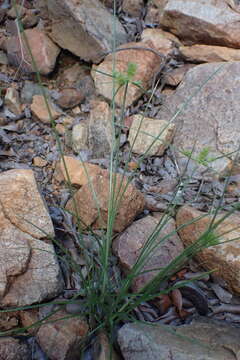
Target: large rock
{"x": 151, "y": 136}
{"x": 209, "y": 53}
{"x": 208, "y": 103}
{"x": 201, "y": 340}
{"x": 130, "y": 243}
{"x": 61, "y": 339}
{"x": 43, "y": 50}
{"x": 131, "y": 204}
{"x": 85, "y": 28}
{"x": 29, "y": 268}
{"x": 147, "y": 63}
{"x": 210, "y": 22}
{"x": 223, "y": 258}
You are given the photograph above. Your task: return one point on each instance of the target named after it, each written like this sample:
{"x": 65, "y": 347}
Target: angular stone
{"x": 164, "y": 42}
{"x": 79, "y": 173}
{"x": 43, "y": 50}
{"x": 201, "y": 340}
{"x": 133, "y": 7}
{"x": 129, "y": 244}
{"x": 85, "y": 28}
{"x": 174, "y": 77}
{"x": 131, "y": 204}
{"x": 61, "y": 339}
{"x": 29, "y": 269}
{"x": 150, "y": 129}
{"x": 100, "y": 136}
{"x": 211, "y": 22}
{"x": 69, "y": 98}
{"x": 147, "y": 64}
{"x": 12, "y": 101}
{"x": 13, "y": 349}
{"x": 40, "y": 109}
{"x": 210, "y": 120}
{"x": 209, "y": 53}
{"x": 224, "y": 258}
{"x": 80, "y": 137}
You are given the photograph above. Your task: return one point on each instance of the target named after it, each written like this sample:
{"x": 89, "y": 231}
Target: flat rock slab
{"x": 201, "y": 340}
{"x": 223, "y": 258}
{"x": 207, "y": 107}
{"x": 129, "y": 244}
{"x": 85, "y": 28}
{"x": 210, "y": 22}
{"x": 29, "y": 268}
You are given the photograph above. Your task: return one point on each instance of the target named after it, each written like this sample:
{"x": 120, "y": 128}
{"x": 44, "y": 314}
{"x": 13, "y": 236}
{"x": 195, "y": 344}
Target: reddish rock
{"x": 211, "y": 22}
{"x": 132, "y": 203}
{"x": 164, "y": 42}
{"x": 147, "y": 64}
{"x": 44, "y": 51}
{"x": 79, "y": 173}
{"x": 41, "y": 111}
{"x": 224, "y": 259}
{"x": 61, "y": 339}
{"x": 209, "y": 53}
{"x": 30, "y": 271}
{"x": 69, "y": 98}
{"x": 130, "y": 243}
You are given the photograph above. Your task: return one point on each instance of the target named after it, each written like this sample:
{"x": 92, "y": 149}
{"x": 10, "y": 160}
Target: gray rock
{"x": 210, "y": 120}
{"x": 201, "y": 340}
{"x": 13, "y": 349}
{"x": 29, "y": 90}
{"x": 85, "y": 28}
{"x": 210, "y": 22}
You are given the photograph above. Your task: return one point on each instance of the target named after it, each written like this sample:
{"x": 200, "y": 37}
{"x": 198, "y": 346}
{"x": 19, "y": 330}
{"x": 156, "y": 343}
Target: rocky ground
{"x": 187, "y": 57}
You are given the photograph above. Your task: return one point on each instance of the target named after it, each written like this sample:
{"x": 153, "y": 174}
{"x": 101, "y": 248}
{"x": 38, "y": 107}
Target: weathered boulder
{"x": 147, "y": 63}
{"x": 205, "y": 108}
{"x": 129, "y": 244}
{"x": 223, "y": 258}
{"x": 29, "y": 268}
{"x": 85, "y": 28}
{"x": 210, "y": 22}
{"x": 200, "y": 340}
{"x": 209, "y": 53}
{"x": 43, "y": 49}
{"x": 12, "y": 101}
{"x": 150, "y": 135}
{"x": 131, "y": 204}
{"x": 61, "y": 339}
{"x": 175, "y": 76}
